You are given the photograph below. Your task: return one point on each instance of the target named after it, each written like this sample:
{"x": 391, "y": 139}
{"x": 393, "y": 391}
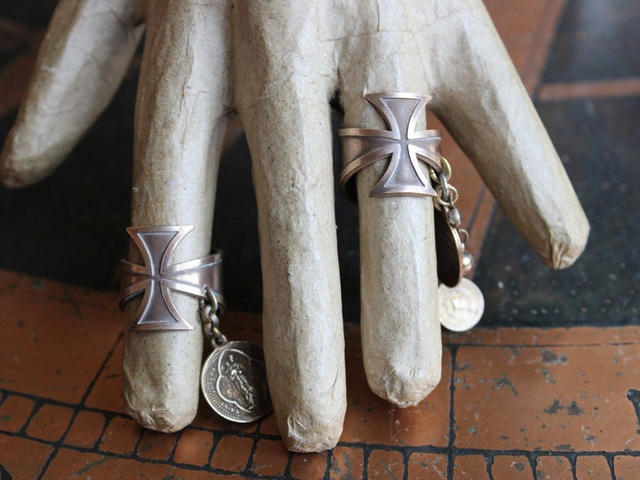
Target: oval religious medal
{"x": 461, "y": 307}
{"x": 234, "y": 382}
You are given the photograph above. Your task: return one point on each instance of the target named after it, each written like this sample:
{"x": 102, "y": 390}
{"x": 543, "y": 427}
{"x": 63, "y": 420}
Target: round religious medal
{"x": 234, "y": 382}
{"x": 461, "y": 307}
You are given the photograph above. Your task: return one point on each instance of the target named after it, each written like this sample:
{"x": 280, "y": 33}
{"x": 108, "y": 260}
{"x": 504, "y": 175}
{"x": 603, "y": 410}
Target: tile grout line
{"x": 533, "y": 464}
{"x": 580, "y": 90}
{"x": 540, "y": 345}
{"x": 611, "y": 467}
{"x": 100, "y": 370}
{"x": 452, "y": 420}
{"x": 476, "y": 208}
{"x": 405, "y": 464}
{"x": 327, "y": 471}
{"x": 489, "y": 463}
{"x": 478, "y": 230}
{"x": 544, "y": 37}
{"x": 489, "y": 456}
{"x": 574, "y": 469}
{"x": 76, "y": 410}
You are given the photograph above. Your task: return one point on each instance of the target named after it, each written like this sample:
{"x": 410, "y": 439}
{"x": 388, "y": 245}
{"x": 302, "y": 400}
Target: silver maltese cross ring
{"x": 402, "y": 146}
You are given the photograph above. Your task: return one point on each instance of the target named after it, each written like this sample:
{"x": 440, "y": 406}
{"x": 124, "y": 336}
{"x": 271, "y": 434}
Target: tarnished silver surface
{"x": 157, "y": 277}
{"x": 453, "y": 259}
{"x": 402, "y": 145}
{"x": 460, "y": 307}
{"x": 449, "y": 249}
{"x": 234, "y": 382}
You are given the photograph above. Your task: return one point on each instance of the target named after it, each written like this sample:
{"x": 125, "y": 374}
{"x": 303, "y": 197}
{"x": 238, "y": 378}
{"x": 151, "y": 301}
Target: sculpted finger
{"x": 283, "y": 86}
{"x": 483, "y": 103}
{"x": 401, "y": 337}
{"x": 181, "y": 115}
{"x": 83, "y": 58}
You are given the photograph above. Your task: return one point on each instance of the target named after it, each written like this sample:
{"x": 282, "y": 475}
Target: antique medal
{"x": 461, "y": 307}
{"x": 234, "y": 378}
{"x": 234, "y": 382}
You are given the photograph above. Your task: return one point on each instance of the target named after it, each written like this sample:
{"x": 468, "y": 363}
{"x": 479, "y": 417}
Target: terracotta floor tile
{"x": 427, "y": 466}
{"x": 385, "y": 464}
{"x": 85, "y": 430}
{"x": 50, "y": 422}
{"x": 156, "y": 445}
{"x": 55, "y": 337}
{"x": 121, "y": 436}
{"x": 232, "y": 453}
{"x": 372, "y": 420}
{"x": 507, "y": 467}
{"x": 626, "y": 467}
{"x": 480, "y": 217}
{"x": 22, "y": 459}
{"x": 268, "y": 426}
{"x": 208, "y": 419}
{"x": 592, "y": 467}
{"x": 308, "y": 466}
{"x": 14, "y": 412}
{"x": 270, "y": 458}
{"x": 553, "y": 468}
{"x": 627, "y": 87}
{"x": 88, "y": 466}
{"x": 470, "y": 467}
{"x": 557, "y": 398}
{"x": 107, "y": 393}
{"x": 346, "y": 462}
{"x": 527, "y": 29}
{"x": 194, "y": 447}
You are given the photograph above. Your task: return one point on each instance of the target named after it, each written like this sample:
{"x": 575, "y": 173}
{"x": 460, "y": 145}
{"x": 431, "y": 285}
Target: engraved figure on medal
{"x": 234, "y": 382}
{"x": 234, "y": 376}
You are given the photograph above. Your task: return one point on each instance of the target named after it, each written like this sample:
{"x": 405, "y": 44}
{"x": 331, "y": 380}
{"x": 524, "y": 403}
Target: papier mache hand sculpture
{"x": 278, "y": 63}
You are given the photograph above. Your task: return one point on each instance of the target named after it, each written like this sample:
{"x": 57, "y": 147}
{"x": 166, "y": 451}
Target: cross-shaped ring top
{"x": 402, "y": 144}
{"x": 157, "y": 277}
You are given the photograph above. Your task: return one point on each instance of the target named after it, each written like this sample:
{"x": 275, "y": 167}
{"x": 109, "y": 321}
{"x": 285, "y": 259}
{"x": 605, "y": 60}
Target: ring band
{"x": 401, "y": 144}
{"x": 157, "y": 277}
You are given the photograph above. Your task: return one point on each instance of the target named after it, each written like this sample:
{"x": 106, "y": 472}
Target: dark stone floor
{"x": 599, "y": 142}
{"x": 596, "y": 40}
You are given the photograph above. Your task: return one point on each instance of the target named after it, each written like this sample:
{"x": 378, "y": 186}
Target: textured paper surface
{"x": 180, "y": 122}
{"x": 285, "y": 60}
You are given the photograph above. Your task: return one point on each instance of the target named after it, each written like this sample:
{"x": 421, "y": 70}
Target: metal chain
{"x": 210, "y": 316}
{"x": 447, "y": 195}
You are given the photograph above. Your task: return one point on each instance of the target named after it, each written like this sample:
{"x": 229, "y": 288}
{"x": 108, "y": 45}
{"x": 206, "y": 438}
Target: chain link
{"x": 447, "y": 196}
{"x": 210, "y": 316}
